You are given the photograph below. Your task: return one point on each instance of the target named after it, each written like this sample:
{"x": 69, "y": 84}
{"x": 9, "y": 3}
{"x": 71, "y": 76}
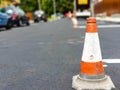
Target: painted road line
{"x": 103, "y": 26}
{"x": 105, "y": 65}
{"x": 111, "y": 60}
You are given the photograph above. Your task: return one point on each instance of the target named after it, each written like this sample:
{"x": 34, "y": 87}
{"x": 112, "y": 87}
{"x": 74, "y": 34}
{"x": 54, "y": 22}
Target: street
{"x": 45, "y": 56}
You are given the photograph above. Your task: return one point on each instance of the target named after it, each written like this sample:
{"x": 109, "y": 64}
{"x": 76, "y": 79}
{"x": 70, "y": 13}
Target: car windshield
{"x": 16, "y": 10}
{"x": 2, "y": 10}
{"x": 38, "y": 12}
{"x": 19, "y": 11}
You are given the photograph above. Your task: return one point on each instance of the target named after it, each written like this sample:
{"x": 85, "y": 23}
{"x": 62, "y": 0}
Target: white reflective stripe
{"x": 74, "y": 20}
{"x": 111, "y": 60}
{"x": 91, "y": 50}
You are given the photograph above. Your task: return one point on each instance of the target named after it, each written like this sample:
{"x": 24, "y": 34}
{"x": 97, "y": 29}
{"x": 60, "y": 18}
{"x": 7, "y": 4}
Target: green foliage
{"x": 29, "y": 5}
{"x": 64, "y": 6}
{"x": 47, "y": 5}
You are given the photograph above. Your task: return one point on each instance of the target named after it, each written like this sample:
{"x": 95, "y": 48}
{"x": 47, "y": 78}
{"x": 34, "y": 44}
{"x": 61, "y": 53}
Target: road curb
{"x": 108, "y": 19}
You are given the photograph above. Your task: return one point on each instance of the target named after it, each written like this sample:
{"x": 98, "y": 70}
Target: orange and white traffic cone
{"x": 74, "y": 20}
{"x": 92, "y": 76}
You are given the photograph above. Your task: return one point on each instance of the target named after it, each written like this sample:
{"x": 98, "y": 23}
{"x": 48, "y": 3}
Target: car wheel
{"x": 36, "y": 20}
{"x": 45, "y": 20}
{"x": 9, "y": 25}
{"x": 27, "y": 23}
{"x": 19, "y": 24}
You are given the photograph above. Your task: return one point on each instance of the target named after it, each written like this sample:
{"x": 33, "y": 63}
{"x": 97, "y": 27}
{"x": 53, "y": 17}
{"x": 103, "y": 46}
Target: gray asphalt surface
{"x": 45, "y": 56}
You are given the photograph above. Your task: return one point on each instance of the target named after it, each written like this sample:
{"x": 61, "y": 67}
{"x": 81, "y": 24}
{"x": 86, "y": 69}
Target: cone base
{"x": 79, "y": 84}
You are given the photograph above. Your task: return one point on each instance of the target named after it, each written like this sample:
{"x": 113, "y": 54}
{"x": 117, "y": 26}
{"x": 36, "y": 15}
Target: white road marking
{"x": 105, "y": 65}
{"x": 103, "y": 26}
{"x": 111, "y": 60}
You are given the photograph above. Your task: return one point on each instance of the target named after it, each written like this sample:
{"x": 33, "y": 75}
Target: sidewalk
{"x": 114, "y": 18}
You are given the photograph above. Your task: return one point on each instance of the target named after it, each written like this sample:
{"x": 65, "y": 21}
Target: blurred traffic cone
{"x": 92, "y": 76}
{"x": 74, "y": 20}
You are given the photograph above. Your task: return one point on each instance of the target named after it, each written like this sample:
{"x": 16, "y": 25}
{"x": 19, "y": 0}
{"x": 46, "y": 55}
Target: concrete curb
{"x": 108, "y": 19}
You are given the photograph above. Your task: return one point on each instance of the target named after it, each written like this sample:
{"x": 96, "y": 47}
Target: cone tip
{"x": 91, "y": 20}
{"x": 91, "y": 25}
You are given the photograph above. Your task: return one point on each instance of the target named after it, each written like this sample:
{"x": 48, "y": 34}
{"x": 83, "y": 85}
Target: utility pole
{"x": 54, "y": 7}
{"x": 39, "y": 5}
{"x": 92, "y": 7}
{"x": 75, "y": 5}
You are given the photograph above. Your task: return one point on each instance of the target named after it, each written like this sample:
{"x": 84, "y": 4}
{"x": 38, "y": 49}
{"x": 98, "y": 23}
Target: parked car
{"x": 39, "y": 15}
{"x": 19, "y": 17}
{"x": 5, "y": 21}
{"x": 59, "y": 15}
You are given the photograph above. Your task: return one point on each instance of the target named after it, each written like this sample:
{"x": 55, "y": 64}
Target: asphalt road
{"x": 45, "y": 56}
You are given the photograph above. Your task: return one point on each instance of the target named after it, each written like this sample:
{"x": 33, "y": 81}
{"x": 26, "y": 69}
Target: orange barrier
{"x": 92, "y": 76}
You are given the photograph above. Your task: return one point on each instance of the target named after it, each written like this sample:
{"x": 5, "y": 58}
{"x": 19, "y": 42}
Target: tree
{"x": 64, "y": 6}
{"x": 47, "y": 5}
{"x": 29, "y": 5}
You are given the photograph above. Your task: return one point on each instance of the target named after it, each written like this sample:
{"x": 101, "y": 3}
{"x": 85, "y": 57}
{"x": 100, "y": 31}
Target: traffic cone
{"x": 74, "y": 20}
{"x": 92, "y": 75}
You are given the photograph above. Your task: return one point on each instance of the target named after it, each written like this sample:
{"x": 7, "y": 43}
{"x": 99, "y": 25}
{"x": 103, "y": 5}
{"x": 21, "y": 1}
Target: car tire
{"x": 8, "y": 27}
{"x": 45, "y": 20}
{"x": 36, "y": 20}
{"x": 27, "y": 23}
{"x": 19, "y": 24}
{"x": 9, "y": 24}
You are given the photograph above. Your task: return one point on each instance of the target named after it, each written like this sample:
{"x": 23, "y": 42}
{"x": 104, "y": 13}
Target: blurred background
{"x": 59, "y": 7}
{"x": 100, "y": 6}
{"x": 48, "y": 10}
